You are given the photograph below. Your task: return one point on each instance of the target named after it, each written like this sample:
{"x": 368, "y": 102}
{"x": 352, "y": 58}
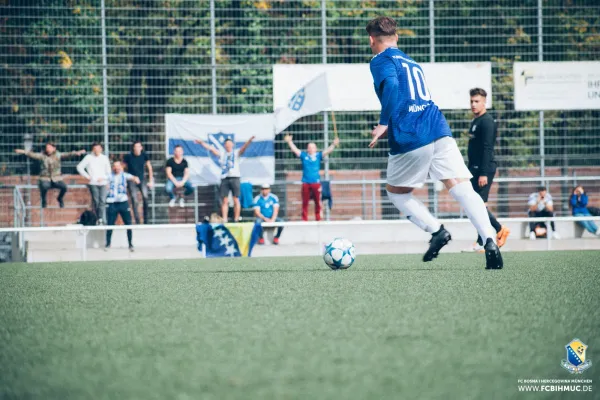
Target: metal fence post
{"x": 104, "y": 78}
{"x": 540, "y": 17}
{"x": 153, "y": 205}
{"x": 325, "y": 115}
{"x": 373, "y": 202}
{"x": 431, "y": 31}
{"x": 213, "y": 57}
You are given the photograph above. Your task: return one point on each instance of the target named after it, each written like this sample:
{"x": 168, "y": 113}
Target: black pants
{"x": 47, "y": 185}
{"x": 540, "y": 214}
{"x": 115, "y": 209}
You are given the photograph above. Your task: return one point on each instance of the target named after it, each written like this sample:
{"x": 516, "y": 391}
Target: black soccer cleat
{"x": 493, "y": 258}
{"x": 438, "y": 240}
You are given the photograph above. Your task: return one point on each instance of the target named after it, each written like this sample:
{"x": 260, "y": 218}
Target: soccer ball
{"x": 339, "y": 254}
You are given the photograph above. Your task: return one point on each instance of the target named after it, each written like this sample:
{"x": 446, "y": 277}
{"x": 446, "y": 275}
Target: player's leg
{"x": 224, "y": 194}
{"x": 62, "y": 189}
{"x": 404, "y": 173}
{"x": 133, "y": 190}
{"x": 235, "y": 190}
{"x": 111, "y": 219}
{"x": 449, "y": 167}
{"x": 316, "y": 193}
{"x": 125, "y": 213}
{"x": 259, "y": 230}
{"x": 144, "y": 188}
{"x": 44, "y": 187}
{"x": 305, "y": 199}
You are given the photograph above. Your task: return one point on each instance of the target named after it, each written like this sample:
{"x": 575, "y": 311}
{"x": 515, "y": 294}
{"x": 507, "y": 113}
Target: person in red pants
{"x": 311, "y": 180}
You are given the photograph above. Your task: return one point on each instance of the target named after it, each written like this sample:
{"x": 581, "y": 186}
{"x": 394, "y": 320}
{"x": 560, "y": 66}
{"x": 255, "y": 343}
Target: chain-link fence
{"x": 78, "y": 71}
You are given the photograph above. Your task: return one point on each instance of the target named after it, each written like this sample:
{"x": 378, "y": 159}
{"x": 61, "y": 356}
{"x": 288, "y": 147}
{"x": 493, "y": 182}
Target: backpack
{"x": 88, "y": 218}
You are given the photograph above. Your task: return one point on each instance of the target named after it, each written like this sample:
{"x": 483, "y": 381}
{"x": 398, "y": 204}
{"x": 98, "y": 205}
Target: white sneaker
{"x": 598, "y": 232}
{"x": 555, "y": 236}
{"x": 172, "y": 203}
{"x": 181, "y": 203}
{"x": 476, "y": 248}
{"x": 532, "y": 235}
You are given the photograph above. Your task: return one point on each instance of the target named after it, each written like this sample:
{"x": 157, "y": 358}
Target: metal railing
{"x": 353, "y": 199}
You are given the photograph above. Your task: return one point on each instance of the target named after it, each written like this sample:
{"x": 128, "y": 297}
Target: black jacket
{"x": 482, "y": 138}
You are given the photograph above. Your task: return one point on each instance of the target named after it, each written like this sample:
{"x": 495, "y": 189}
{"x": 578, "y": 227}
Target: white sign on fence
{"x": 351, "y": 85}
{"x": 557, "y": 85}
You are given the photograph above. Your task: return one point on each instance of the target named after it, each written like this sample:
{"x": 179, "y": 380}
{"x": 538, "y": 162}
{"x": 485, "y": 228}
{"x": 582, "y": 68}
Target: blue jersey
{"x": 266, "y": 204}
{"x": 412, "y": 118}
{"x": 311, "y": 166}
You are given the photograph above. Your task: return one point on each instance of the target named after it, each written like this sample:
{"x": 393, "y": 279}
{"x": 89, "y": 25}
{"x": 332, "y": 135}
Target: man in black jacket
{"x": 482, "y": 137}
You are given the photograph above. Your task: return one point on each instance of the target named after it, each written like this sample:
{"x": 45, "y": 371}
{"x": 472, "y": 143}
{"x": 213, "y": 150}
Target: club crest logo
{"x": 297, "y": 100}
{"x": 218, "y": 140}
{"x": 576, "y": 362}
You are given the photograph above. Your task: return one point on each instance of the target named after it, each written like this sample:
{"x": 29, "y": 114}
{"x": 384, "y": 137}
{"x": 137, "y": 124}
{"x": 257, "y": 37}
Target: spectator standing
{"x": 118, "y": 204}
{"x": 229, "y": 160}
{"x": 541, "y": 205}
{"x": 95, "y": 167}
{"x": 50, "y": 174}
{"x": 178, "y": 175}
{"x": 311, "y": 180}
{"x": 579, "y": 202}
{"x": 135, "y": 162}
{"x": 482, "y": 138}
{"x": 266, "y": 209}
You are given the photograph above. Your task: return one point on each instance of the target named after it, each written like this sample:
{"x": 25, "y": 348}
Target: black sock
{"x": 494, "y": 222}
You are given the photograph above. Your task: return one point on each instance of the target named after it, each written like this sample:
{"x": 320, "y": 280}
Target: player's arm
{"x": 82, "y": 166}
{"x": 295, "y": 150}
{"x": 186, "y": 176}
{"x": 169, "y": 173}
{"x": 72, "y": 154}
{"x": 390, "y": 88}
{"x": 130, "y": 177}
{"x": 533, "y": 203}
{"x": 245, "y": 146}
{"x": 208, "y": 147}
{"x": 331, "y": 147}
{"x": 487, "y": 136}
{"x": 275, "y": 212}
{"x": 30, "y": 154}
{"x": 150, "y": 173}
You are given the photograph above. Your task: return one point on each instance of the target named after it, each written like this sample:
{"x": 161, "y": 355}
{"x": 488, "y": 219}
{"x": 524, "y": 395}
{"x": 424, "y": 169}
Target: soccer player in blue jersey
{"x": 421, "y": 143}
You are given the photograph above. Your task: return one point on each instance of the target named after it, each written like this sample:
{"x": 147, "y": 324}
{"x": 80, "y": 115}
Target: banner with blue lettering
{"x": 257, "y": 164}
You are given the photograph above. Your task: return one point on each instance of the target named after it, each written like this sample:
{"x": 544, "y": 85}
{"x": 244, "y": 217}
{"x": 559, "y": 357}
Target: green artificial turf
{"x": 289, "y": 328}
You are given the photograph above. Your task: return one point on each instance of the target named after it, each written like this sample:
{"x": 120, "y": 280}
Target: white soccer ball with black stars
{"x": 339, "y": 254}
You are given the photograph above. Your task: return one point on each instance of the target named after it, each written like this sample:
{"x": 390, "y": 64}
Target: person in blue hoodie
{"x": 579, "y": 202}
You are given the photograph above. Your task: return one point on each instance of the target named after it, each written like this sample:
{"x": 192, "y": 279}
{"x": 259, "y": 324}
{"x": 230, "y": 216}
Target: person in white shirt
{"x": 541, "y": 205}
{"x": 95, "y": 167}
{"x": 118, "y": 202}
{"x": 230, "y": 174}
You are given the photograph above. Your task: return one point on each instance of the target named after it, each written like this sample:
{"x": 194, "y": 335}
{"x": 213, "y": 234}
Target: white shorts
{"x": 439, "y": 160}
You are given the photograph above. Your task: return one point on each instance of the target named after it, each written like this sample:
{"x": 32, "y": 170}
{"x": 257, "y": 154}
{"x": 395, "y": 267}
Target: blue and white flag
{"x": 309, "y": 99}
{"x": 257, "y": 164}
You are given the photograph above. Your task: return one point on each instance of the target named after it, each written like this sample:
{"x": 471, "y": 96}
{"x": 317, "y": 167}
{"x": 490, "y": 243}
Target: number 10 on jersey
{"x": 416, "y": 77}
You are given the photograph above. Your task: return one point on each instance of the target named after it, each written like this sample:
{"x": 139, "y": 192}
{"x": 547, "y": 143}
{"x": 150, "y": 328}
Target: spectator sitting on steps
{"x": 541, "y": 205}
{"x": 266, "y": 208}
{"x": 178, "y": 175}
{"x": 579, "y": 202}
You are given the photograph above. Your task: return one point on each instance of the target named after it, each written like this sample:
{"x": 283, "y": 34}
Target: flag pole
{"x": 335, "y": 132}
